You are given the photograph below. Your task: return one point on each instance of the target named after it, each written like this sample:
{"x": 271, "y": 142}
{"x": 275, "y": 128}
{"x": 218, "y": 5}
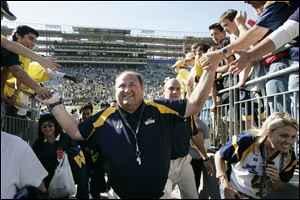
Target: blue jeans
{"x": 294, "y": 85}
{"x": 278, "y": 85}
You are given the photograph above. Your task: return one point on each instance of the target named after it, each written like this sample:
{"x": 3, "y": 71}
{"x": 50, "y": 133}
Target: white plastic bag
{"x": 62, "y": 183}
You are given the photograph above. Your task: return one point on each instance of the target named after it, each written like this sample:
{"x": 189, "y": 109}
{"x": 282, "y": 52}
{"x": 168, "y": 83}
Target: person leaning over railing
{"x": 20, "y": 49}
{"x": 285, "y": 33}
{"x": 27, "y": 37}
{"x": 273, "y": 15}
{"x": 258, "y": 161}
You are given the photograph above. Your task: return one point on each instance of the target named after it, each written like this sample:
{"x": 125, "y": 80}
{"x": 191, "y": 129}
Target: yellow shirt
{"x": 179, "y": 64}
{"x": 198, "y": 67}
{"x": 182, "y": 75}
{"x": 34, "y": 70}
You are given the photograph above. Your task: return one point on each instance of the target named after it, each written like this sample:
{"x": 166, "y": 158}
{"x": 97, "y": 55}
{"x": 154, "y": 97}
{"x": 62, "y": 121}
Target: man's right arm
{"x": 67, "y": 122}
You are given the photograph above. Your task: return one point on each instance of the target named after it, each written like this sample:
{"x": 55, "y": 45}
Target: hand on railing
{"x": 243, "y": 76}
{"x": 213, "y": 108}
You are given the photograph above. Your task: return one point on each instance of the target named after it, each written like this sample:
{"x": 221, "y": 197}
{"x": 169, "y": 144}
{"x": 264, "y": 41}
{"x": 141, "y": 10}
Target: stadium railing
{"x": 239, "y": 115}
{"x": 27, "y": 129}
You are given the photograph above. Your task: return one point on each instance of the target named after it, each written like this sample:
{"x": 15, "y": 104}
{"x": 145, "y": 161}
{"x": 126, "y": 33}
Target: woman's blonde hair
{"x": 273, "y": 122}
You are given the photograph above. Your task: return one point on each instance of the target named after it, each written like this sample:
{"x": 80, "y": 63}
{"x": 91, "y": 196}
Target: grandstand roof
{"x": 100, "y": 31}
{"x": 74, "y": 44}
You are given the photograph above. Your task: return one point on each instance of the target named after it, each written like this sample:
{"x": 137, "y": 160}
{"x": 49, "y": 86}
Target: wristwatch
{"x": 51, "y": 106}
{"x": 225, "y": 52}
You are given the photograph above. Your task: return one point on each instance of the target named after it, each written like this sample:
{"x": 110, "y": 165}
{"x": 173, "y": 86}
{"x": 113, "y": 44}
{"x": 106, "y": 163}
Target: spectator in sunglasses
{"x": 52, "y": 139}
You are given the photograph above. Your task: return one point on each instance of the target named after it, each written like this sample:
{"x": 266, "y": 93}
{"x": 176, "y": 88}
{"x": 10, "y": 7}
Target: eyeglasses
{"x": 49, "y": 126}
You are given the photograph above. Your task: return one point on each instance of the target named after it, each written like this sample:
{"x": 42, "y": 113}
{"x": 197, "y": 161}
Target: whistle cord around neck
{"x": 138, "y": 152}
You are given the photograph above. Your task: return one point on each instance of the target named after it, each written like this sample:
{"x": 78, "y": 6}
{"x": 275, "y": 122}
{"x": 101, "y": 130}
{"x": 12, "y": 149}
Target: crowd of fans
{"x": 96, "y": 84}
{"x": 260, "y": 160}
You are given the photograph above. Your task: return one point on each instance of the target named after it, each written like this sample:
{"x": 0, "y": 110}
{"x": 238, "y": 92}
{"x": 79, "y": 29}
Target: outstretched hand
{"x": 239, "y": 64}
{"x": 43, "y": 93}
{"x": 241, "y": 18}
{"x": 50, "y": 63}
{"x": 55, "y": 98}
{"x": 211, "y": 60}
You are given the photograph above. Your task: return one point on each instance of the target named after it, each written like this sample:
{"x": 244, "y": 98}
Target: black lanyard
{"x": 138, "y": 152}
{"x": 264, "y": 176}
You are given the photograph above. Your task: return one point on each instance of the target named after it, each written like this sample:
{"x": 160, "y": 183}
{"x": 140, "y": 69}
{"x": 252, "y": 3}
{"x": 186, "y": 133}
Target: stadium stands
{"x": 96, "y": 55}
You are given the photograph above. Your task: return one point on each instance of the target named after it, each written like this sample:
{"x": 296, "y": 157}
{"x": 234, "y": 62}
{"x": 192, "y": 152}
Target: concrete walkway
{"x": 210, "y": 190}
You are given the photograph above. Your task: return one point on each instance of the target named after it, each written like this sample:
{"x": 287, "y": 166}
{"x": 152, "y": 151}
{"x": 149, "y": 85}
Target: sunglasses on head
{"x": 47, "y": 125}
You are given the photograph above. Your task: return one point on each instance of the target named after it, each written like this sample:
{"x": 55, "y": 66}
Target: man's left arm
{"x": 199, "y": 143}
{"x": 200, "y": 94}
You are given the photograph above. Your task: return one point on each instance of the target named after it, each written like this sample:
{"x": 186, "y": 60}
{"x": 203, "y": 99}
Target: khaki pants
{"x": 181, "y": 173}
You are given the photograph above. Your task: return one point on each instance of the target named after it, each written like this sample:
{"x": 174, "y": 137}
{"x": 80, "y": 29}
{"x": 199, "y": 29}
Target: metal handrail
{"x": 265, "y": 77}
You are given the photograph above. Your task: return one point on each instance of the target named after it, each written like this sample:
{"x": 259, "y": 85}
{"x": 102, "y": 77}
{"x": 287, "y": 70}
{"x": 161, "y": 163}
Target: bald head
{"x": 129, "y": 91}
{"x": 172, "y": 89}
{"x": 125, "y": 73}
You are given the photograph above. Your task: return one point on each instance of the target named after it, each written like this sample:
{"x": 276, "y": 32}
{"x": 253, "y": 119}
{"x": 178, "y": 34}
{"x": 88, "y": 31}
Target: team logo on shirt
{"x": 250, "y": 168}
{"x": 119, "y": 124}
{"x": 149, "y": 121}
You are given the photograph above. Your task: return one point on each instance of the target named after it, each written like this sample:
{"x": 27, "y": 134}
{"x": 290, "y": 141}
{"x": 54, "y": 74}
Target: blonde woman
{"x": 253, "y": 164}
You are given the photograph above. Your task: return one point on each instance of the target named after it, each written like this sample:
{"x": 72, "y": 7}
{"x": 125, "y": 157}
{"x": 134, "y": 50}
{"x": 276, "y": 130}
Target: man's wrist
{"x": 225, "y": 52}
{"x": 206, "y": 159}
{"x": 51, "y": 106}
{"x": 223, "y": 180}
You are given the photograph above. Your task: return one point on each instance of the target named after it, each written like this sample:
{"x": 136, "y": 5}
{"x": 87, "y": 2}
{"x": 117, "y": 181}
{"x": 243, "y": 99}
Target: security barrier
{"x": 238, "y": 116}
{"x": 26, "y": 128}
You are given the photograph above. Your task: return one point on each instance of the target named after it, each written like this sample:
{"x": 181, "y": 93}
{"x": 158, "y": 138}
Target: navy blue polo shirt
{"x": 294, "y": 51}
{"x": 181, "y": 136}
{"x": 126, "y": 177}
{"x": 295, "y": 16}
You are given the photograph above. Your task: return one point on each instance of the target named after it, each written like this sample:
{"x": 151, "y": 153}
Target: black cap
{"x": 5, "y": 10}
